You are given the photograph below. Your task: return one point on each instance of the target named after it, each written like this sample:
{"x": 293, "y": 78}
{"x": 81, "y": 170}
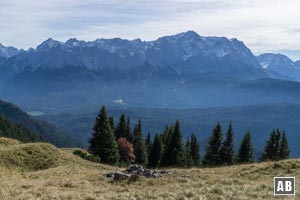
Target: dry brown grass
{"x": 75, "y": 178}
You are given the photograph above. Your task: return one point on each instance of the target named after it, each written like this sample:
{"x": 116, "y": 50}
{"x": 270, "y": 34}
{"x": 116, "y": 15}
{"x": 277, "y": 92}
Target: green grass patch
{"x": 31, "y": 156}
{"x": 87, "y": 156}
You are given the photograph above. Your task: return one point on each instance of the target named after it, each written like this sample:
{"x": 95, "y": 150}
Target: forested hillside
{"x": 10, "y": 129}
{"x": 259, "y": 119}
{"x": 46, "y": 131}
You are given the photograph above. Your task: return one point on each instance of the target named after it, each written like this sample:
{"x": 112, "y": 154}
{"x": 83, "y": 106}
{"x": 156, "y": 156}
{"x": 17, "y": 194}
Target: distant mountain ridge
{"x": 180, "y": 70}
{"x": 6, "y": 52}
{"x": 168, "y": 50}
{"x": 179, "y": 50}
{"x": 281, "y": 65}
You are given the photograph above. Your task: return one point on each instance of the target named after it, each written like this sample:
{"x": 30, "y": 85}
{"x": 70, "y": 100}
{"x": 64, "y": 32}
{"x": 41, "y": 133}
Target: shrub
{"x": 87, "y": 156}
{"x": 126, "y": 150}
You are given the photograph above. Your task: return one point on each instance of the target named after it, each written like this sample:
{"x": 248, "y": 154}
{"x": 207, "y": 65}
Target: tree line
{"x": 121, "y": 145}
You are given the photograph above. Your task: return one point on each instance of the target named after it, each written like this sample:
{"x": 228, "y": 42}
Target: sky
{"x": 263, "y": 25}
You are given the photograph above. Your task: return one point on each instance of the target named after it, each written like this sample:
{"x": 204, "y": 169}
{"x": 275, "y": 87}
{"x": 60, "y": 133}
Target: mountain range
{"x": 199, "y": 80}
{"x": 6, "y": 52}
{"x": 178, "y": 71}
{"x": 280, "y": 65}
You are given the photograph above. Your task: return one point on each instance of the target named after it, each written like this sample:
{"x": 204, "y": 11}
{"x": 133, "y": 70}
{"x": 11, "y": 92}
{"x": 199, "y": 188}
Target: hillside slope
{"x": 67, "y": 176}
{"x": 27, "y": 157}
{"x": 46, "y": 131}
{"x": 15, "y": 131}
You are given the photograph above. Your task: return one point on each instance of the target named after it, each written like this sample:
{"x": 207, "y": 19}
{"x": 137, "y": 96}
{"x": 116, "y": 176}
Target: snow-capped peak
{"x": 74, "y": 42}
{"x": 49, "y": 43}
{"x": 186, "y": 35}
{"x": 271, "y": 59}
{"x": 9, "y": 51}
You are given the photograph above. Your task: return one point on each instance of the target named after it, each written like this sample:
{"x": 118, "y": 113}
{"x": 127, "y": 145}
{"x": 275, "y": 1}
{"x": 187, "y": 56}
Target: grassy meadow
{"x": 42, "y": 171}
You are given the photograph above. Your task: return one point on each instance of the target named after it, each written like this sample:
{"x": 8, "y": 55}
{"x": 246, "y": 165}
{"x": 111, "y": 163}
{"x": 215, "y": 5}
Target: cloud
{"x": 264, "y": 25}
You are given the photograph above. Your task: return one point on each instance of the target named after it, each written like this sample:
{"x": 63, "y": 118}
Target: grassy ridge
{"x": 67, "y": 176}
{"x": 27, "y": 157}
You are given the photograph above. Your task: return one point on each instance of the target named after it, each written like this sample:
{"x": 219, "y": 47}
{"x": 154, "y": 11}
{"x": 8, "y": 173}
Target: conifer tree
{"x": 245, "y": 154}
{"x": 176, "y": 148}
{"x": 272, "y": 148}
{"x": 148, "y": 139}
{"x": 103, "y": 142}
{"x": 128, "y": 134}
{"x": 167, "y": 149}
{"x": 139, "y": 144}
{"x": 188, "y": 154}
{"x": 166, "y": 135}
{"x": 227, "y": 150}
{"x": 121, "y": 128}
{"x": 195, "y": 150}
{"x": 155, "y": 152}
{"x": 148, "y": 143}
{"x": 212, "y": 152}
{"x": 112, "y": 124}
{"x": 284, "y": 151}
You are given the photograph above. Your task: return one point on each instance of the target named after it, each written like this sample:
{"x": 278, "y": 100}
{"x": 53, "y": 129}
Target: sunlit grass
{"x": 67, "y": 176}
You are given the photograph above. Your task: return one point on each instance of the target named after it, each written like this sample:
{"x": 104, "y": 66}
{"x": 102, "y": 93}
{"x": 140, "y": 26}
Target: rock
{"x": 135, "y": 169}
{"x": 147, "y": 173}
{"x": 133, "y": 173}
{"x": 276, "y": 165}
{"x": 120, "y": 176}
{"x": 164, "y": 172}
{"x": 109, "y": 175}
{"x": 134, "y": 178}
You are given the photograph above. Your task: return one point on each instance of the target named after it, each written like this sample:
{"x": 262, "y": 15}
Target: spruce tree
{"x": 148, "y": 139}
{"x": 148, "y": 143}
{"x": 272, "y": 148}
{"x": 176, "y": 148}
{"x": 166, "y": 135}
{"x": 121, "y": 128}
{"x": 195, "y": 150}
{"x": 284, "y": 151}
{"x": 212, "y": 152}
{"x": 155, "y": 152}
{"x": 188, "y": 154}
{"x": 227, "y": 150}
{"x": 103, "y": 142}
{"x": 112, "y": 124}
{"x": 245, "y": 154}
{"x": 139, "y": 144}
{"x": 128, "y": 134}
{"x": 167, "y": 148}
